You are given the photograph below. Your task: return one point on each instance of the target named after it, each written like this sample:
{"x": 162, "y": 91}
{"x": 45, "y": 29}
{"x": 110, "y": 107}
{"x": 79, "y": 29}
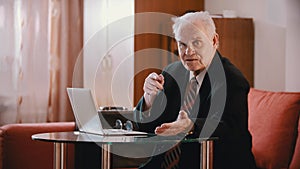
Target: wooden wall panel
{"x": 175, "y": 7}
{"x": 149, "y": 40}
{"x": 237, "y": 43}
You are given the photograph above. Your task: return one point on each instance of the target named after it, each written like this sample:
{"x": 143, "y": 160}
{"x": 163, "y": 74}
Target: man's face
{"x": 196, "y": 48}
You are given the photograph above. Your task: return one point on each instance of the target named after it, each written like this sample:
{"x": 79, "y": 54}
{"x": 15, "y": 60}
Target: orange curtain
{"x": 66, "y": 41}
{"x": 40, "y": 43}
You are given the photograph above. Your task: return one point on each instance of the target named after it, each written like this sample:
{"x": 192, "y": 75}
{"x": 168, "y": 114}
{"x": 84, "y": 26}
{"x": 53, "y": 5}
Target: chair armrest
{"x": 18, "y": 150}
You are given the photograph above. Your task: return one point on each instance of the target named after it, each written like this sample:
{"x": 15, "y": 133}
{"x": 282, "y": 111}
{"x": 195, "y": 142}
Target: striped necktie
{"x": 190, "y": 96}
{"x": 171, "y": 157}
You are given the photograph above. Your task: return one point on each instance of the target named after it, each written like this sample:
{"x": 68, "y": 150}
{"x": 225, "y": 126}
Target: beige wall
{"x": 292, "y": 46}
{"x": 276, "y": 39}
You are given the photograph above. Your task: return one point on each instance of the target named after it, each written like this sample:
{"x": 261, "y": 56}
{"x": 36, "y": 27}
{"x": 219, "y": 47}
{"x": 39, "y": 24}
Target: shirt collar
{"x": 199, "y": 77}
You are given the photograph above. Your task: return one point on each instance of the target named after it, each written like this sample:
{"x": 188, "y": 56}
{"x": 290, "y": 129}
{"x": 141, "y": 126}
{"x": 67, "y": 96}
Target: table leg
{"x": 106, "y": 158}
{"x": 206, "y": 154}
{"x": 60, "y": 153}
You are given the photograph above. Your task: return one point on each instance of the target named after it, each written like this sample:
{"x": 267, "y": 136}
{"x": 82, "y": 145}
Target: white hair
{"x": 201, "y": 20}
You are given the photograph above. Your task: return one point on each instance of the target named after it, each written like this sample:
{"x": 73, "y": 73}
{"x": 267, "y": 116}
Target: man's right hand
{"x": 153, "y": 83}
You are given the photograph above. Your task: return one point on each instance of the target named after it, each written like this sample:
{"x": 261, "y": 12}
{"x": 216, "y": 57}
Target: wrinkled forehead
{"x": 190, "y": 31}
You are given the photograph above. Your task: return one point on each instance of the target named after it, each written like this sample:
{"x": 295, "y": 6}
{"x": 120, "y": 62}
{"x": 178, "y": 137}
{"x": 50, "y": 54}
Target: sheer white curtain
{"x": 40, "y": 42}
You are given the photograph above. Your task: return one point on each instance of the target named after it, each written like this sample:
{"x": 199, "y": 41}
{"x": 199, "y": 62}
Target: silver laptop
{"x": 86, "y": 115}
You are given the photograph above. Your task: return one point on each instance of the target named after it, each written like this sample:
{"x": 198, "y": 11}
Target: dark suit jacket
{"x": 221, "y": 110}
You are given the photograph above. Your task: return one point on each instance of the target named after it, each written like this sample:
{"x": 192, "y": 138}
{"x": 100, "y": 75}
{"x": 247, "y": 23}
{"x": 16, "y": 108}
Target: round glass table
{"x": 60, "y": 139}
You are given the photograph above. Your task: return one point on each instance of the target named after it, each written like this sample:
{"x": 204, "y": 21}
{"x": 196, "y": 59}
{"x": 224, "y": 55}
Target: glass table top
{"x": 80, "y": 137}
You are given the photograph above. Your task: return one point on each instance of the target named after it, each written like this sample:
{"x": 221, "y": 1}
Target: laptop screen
{"x": 84, "y": 110}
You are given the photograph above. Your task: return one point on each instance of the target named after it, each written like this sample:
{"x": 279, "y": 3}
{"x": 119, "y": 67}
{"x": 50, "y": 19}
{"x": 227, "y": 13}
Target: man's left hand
{"x": 183, "y": 124}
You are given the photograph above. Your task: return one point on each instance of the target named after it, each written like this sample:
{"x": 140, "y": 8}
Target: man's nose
{"x": 189, "y": 50}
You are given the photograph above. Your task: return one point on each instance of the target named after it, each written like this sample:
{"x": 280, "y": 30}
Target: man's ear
{"x": 216, "y": 40}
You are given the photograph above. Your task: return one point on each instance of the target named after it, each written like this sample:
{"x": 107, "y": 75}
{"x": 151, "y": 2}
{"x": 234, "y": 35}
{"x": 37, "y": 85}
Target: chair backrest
{"x": 274, "y": 125}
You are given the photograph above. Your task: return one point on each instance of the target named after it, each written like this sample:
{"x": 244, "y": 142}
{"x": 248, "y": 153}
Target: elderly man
{"x": 217, "y": 105}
